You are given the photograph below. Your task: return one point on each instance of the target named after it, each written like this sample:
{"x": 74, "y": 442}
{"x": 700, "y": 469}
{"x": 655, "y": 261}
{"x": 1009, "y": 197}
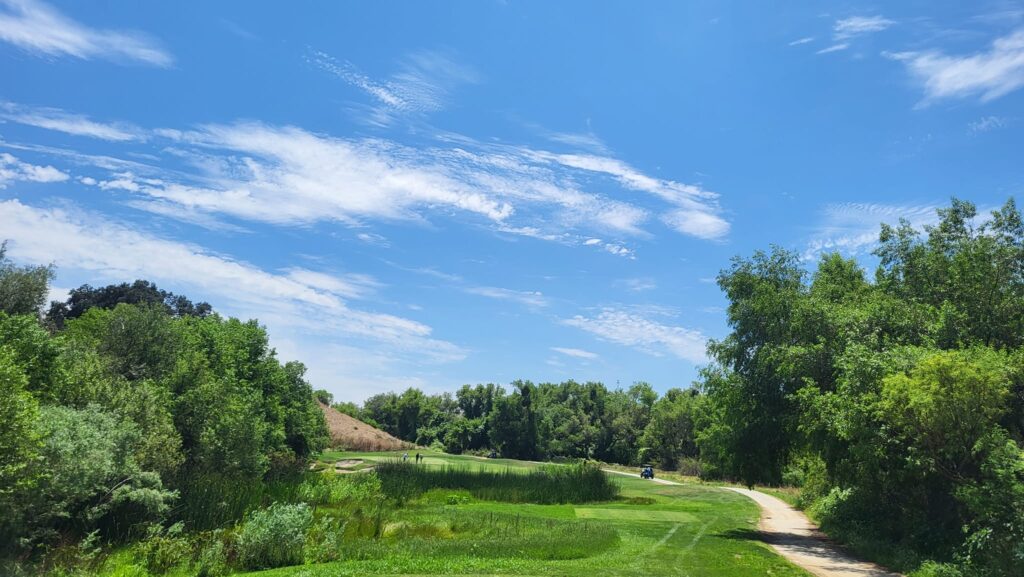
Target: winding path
{"x": 793, "y": 536}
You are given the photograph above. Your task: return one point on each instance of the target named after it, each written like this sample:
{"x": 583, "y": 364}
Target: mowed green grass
{"x": 691, "y": 530}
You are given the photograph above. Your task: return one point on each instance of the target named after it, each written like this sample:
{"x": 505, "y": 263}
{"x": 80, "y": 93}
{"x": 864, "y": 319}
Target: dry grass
{"x": 351, "y": 434}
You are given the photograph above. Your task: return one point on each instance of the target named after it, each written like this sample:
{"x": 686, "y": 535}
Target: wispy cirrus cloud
{"x": 639, "y": 284}
{"x": 532, "y": 299}
{"x": 804, "y": 40}
{"x": 987, "y": 124}
{"x": 75, "y": 124}
{"x": 12, "y": 170}
{"x": 852, "y": 228}
{"x": 846, "y": 30}
{"x": 834, "y": 48}
{"x": 311, "y": 302}
{"x": 986, "y": 75}
{"x": 576, "y": 353}
{"x": 855, "y": 26}
{"x": 636, "y": 329}
{"x": 285, "y": 175}
{"x": 39, "y": 28}
{"x": 422, "y": 84}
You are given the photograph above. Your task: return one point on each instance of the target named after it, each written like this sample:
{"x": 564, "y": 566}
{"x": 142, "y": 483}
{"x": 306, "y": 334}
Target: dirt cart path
{"x": 793, "y": 536}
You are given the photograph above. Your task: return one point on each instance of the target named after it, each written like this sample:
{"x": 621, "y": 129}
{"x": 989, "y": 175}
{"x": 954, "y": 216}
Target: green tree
{"x": 23, "y": 290}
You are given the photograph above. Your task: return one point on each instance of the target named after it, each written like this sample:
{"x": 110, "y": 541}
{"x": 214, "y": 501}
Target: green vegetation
{"x": 650, "y": 529}
{"x": 142, "y": 434}
{"x": 578, "y": 483}
{"x": 898, "y": 405}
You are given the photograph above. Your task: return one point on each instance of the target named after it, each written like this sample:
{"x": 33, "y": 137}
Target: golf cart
{"x": 646, "y": 472}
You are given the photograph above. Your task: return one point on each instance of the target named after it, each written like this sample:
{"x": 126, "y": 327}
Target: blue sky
{"x": 432, "y": 194}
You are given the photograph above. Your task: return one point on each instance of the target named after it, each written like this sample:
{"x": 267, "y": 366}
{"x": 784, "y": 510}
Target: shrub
{"x": 274, "y": 537}
{"x": 164, "y": 549}
{"x": 323, "y": 540}
{"x": 933, "y": 569}
{"x": 690, "y": 467}
{"x": 212, "y": 560}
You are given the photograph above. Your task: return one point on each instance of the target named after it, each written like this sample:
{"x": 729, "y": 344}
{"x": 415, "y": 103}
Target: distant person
{"x": 418, "y": 457}
{"x": 405, "y": 457}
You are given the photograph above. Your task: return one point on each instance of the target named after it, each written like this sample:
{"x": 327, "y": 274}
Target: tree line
{"x": 544, "y": 421}
{"x": 119, "y": 399}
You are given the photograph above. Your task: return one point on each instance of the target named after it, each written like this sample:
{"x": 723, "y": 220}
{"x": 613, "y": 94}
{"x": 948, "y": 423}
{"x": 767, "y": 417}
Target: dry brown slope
{"x": 351, "y": 434}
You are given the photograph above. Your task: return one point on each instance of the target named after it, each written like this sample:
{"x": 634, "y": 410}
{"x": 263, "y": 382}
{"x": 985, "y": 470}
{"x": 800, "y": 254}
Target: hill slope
{"x": 352, "y": 434}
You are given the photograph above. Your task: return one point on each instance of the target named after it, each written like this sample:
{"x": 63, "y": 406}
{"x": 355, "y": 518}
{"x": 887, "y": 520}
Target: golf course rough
{"x": 650, "y": 530}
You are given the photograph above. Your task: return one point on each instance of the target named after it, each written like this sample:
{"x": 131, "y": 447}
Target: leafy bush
{"x": 324, "y": 539}
{"x": 274, "y": 537}
{"x": 691, "y": 467}
{"x": 212, "y": 559}
{"x": 164, "y": 549}
{"x": 933, "y": 569}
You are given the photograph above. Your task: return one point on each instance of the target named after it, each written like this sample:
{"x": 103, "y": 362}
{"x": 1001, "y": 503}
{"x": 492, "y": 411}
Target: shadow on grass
{"x": 810, "y": 544}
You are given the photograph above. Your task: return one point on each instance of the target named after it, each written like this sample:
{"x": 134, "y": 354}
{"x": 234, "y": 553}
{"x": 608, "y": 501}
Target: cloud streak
{"x": 311, "y": 301}
{"x": 855, "y": 26}
{"x": 576, "y": 353}
{"x": 288, "y": 176}
{"x": 987, "y": 75}
{"x": 74, "y": 124}
{"x": 422, "y": 84}
{"x": 532, "y": 299}
{"x": 38, "y": 28}
{"x": 636, "y": 330}
{"x": 852, "y": 228}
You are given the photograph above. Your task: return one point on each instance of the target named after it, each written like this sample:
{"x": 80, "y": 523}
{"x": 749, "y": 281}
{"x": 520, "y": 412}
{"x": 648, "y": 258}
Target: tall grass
{"x": 212, "y": 502}
{"x": 579, "y": 483}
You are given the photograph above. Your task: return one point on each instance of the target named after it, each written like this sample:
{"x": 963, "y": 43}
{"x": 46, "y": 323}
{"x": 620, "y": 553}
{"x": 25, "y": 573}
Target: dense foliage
{"x": 544, "y": 421}
{"x": 129, "y": 397}
{"x": 898, "y": 403}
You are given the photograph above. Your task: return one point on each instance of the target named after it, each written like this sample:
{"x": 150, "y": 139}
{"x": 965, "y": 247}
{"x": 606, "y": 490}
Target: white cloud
{"x": 421, "y": 85}
{"x": 580, "y": 140}
{"x": 987, "y": 124}
{"x": 533, "y": 299}
{"x": 577, "y": 353}
{"x": 852, "y": 228}
{"x": 635, "y": 329}
{"x": 309, "y": 302}
{"x": 640, "y": 284}
{"x": 846, "y": 30}
{"x": 619, "y": 250}
{"x": 37, "y": 27}
{"x": 834, "y": 48}
{"x": 859, "y": 25}
{"x": 373, "y": 238}
{"x": 289, "y": 176}
{"x": 697, "y": 223}
{"x": 61, "y": 121}
{"x": 804, "y": 40}
{"x": 988, "y": 75}
{"x": 346, "y": 286}
{"x": 12, "y": 170}
{"x": 696, "y": 214}
{"x": 55, "y": 293}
